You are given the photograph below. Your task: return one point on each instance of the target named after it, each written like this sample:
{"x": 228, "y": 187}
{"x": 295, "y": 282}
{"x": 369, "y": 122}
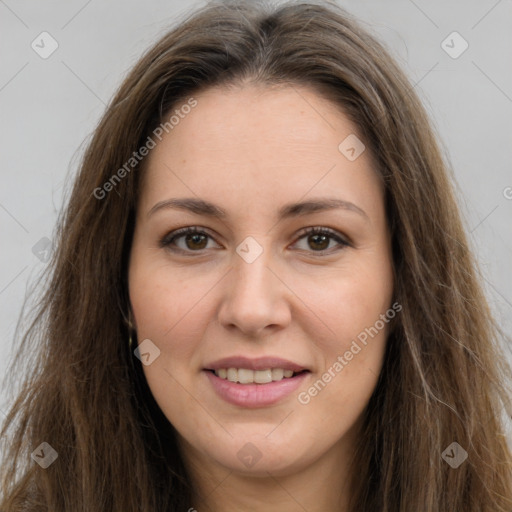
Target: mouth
{"x": 255, "y": 383}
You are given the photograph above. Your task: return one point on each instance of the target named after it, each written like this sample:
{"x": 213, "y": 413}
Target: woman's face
{"x": 233, "y": 309}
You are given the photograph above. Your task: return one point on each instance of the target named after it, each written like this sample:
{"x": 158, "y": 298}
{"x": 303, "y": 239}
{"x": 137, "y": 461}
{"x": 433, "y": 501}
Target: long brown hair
{"x": 444, "y": 378}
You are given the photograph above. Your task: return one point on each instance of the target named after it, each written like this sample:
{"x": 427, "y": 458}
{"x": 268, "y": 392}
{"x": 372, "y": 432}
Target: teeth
{"x": 245, "y": 376}
{"x": 262, "y": 376}
{"x": 277, "y": 373}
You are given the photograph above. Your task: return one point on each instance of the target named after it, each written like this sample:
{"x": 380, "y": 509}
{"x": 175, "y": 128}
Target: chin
{"x": 257, "y": 457}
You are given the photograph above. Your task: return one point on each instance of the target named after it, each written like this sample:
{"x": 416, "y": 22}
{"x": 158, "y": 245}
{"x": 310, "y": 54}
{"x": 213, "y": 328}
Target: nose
{"x": 255, "y": 298}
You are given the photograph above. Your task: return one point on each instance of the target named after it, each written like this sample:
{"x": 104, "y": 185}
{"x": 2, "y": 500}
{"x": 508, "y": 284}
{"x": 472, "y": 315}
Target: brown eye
{"x": 318, "y": 242}
{"x": 186, "y": 240}
{"x": 320, "y": 239}
{"x": 196, "y": 241}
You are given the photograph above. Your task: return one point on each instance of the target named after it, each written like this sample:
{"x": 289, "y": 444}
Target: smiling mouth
{"x": 247, "y": 376}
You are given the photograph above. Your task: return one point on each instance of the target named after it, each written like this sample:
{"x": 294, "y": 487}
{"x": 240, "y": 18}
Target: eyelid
{"x": 341, "y": 239}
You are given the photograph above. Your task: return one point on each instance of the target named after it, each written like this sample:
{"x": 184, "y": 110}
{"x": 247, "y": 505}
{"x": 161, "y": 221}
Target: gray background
{"x": 49, "y": 107}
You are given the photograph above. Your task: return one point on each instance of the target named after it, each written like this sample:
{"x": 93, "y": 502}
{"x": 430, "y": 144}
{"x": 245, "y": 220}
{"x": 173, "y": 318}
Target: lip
{"x": 259, "y": 363}
{"x": 254, "y": 395}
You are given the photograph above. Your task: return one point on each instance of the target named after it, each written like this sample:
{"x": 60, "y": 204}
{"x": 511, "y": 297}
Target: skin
{"x": 251, "y": 150}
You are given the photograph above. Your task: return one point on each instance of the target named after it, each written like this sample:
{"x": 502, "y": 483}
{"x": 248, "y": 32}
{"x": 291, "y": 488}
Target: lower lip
{"x": 255, "y": 395}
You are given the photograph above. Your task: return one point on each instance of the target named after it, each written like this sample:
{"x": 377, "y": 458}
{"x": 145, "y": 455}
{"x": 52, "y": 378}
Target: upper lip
{"x": 260, "y": 363}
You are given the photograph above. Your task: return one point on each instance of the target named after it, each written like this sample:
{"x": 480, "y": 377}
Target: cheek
{"x": 351, "y": 362}
{"x": 158, "y": 295}
{"x": 346, "y": 303}
{"x": 353, "y": 310}
{"x": 166, "y": 308}
{"x": 170, "y": 308}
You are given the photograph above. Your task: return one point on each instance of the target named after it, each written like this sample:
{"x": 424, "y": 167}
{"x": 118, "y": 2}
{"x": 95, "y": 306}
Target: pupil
{"x": 195, "y": 240}
{"x": 323, "y": 238}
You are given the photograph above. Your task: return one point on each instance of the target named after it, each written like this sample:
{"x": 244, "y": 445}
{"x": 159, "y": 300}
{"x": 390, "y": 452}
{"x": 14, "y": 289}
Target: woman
{"x": 262, "y": 297}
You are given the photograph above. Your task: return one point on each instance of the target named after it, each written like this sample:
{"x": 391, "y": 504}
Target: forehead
{"x": 251, "y": 116}
{"x": 257, "y": 141}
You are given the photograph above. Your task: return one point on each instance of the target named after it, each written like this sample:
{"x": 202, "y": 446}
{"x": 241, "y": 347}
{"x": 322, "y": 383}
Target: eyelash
{"x": 170, "y": 238}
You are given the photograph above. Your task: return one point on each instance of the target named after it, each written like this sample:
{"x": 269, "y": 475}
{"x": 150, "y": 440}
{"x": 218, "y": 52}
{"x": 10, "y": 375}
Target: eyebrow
{"x": 202, "y": 207}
